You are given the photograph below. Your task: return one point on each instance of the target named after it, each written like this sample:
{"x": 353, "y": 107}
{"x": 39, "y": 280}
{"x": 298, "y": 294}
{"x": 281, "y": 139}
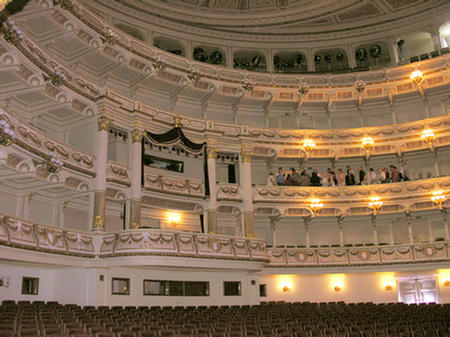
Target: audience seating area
{"x": 272, "y": 319}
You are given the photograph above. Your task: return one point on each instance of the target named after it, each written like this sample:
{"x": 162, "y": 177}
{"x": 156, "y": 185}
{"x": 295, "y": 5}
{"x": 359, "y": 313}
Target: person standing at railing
{"x": 304, "y": 179}
{"x": 295, "y": 176}
{"x": 341, "y": 177}
{"x": 405, "y": 170}
{"x": 373, "y": 179}
{"x": 280, "y": 177}
{"x": 315, "y": 179}
{"x": 350, "y": 178}
{"x": 362, "y": 176}
{"x": 271, "y": 180}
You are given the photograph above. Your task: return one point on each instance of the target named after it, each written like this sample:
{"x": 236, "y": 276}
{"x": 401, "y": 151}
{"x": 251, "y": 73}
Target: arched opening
{"x": 169, "y": 45}
{"x": 209, "y": 54}
{"x": 331, "y": 60}
{"x": 291, "y": 62}
{"x": 249, "y": 60}
{"x": 415, "y": 46}
{"x": 444, "y": 34}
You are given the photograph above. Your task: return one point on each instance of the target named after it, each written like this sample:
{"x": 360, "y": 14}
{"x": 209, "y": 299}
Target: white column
{"x": 350, "y": 56}
{"x": 410, "y": 232}
{"x": 19, "y": 206}
{"x": 391, "y": 233}
{"x": 101, "y": 155}
{"x": 341, "y": 230}
{"x": 430, "y": 231}
{"x": 375, "y": 233}
{"x": 212, "y": 184}
{"x": 61, "y": 209}
{"x": 307, "y": 239}
{"x": 55, "y": 215}
{"x": 447, "y": 233}
{"x": 136, "y": 178}
{"x": 26, "y": 206}
{"x": 247, "y": 192}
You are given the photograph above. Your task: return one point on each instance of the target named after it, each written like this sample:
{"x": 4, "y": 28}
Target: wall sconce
{"x": 53, "y": 164}
{"x": 438, "y": 198}
{"x": 174, "y": 218}
{"x": 308, "y": 145}
{"x": 417, "y": 77}
{"x": 388, "y": 287}
{"x": 4, "y": 281}
{"x": 315, "y": 206}
{"x": 446, "y": 283}
{"x": 360, "y": 86}
{"x": 10, "y": 31}
{"x": 7, "y": 134}
{"x": 375, "y": 204}
{"x": 367, "y": 143}
{"x": 286, "y": 289}
{"x": 427, "y": 135}
{"x": 111, "y": 37}
{"x": 303, "y": 89}
{"x": 338, "y": 288}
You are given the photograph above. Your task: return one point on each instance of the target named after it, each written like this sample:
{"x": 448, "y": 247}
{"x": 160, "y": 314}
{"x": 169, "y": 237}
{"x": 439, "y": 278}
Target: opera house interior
{"x": 224, "y": 168}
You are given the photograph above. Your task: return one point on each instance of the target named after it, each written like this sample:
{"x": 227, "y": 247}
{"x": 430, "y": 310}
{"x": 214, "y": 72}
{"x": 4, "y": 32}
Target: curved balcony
{"x": 18, "y": 233}
{"x": 353, "y": 200}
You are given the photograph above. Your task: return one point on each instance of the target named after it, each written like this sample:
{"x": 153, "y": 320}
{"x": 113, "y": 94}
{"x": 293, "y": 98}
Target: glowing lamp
{"x": 375, "y": 204}
{"x": 446, "y": 283}
{"x": 367, "y": 143}
{"x": 337, "y": 288}
{"x": 417, "y": 77}
{"x": 174, "y": 218}
{"x": 286, "y": 289}
{"x": 308, "y": 145}
{"x": 438, "y": 198}
{"x": 427, "y": 135}
{"x": 316, "y": 206}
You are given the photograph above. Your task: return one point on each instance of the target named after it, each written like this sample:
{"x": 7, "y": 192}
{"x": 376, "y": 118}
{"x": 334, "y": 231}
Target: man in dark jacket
{"x": 350, "y": 178}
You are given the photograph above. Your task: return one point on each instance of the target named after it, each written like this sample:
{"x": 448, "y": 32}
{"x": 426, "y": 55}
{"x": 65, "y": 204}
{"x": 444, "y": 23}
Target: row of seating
{"x": 273, "y": 319}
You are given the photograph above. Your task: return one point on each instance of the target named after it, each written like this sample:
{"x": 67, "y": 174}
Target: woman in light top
{"x": 271, "y": 180}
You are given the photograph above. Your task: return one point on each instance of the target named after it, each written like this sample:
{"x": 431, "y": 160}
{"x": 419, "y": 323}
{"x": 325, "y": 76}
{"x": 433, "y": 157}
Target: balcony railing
{"x": 174, "y": 185}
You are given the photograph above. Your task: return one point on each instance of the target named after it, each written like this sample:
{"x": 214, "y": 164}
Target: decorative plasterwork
{"x": 174, "y": 185}
{"x": 43, "y": 238}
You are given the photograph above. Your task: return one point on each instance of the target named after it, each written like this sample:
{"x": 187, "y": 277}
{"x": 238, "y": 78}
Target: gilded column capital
{"x": 103, "y": 123}
{"x": 211, "y": 151}
{"x": 177, "y": 122}
{"x": 3, "y": 4}
{"x": 137, "y": 135}
{"x": 246, "y": 153}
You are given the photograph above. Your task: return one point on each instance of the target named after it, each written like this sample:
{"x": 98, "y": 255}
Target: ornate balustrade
{"x": 174, "y": 185}
{"x": 359, "y": 256}
{"x": 231, "y": 79}
{"x": 353, "y": 200}
{"x": 227, "y": 191}
{"x": 39, "y": 144}
{"x": 118, "y": 173}
{"x": 167, "y": 243}
{"x": 25, "y": 234}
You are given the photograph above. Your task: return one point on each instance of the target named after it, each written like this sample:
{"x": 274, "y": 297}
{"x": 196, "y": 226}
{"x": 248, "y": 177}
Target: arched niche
{"x": 331, "y": 60}
{"x": 444, "y": 34}
{"x": 249, "y": 60}
{"x": 413, "y": 45}
{"x": 372, "y": 54}
{"x": 169, "y": 45}
{"x": 290, "y": 62}
{"x": 209, "y": 54}
{"x": 134, "y": 32}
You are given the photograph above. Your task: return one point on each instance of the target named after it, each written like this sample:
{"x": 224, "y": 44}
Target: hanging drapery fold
{"x": 175, "y": 137}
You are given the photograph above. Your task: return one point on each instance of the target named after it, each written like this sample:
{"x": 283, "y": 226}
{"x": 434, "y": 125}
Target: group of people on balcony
{"x": 294, "y": 177}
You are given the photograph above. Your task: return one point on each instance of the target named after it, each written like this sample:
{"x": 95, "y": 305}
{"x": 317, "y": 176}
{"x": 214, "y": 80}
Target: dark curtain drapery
{"x": 176, "y": 136}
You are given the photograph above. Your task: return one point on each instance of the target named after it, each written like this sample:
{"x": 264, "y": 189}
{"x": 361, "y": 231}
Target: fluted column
{"x": 136, "y": 177}
{"x": 247, "y": 193}
{"x": 211, "y": 211}
{"x": 340, "y": 221}
{"x": 374, "y": 228}
{"x": 101, "y": 155}
{"x": 307, "y": 238}
{"x": 410, "y": 229}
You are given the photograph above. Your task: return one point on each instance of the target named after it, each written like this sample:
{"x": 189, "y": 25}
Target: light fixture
{"x": 375, "y": 204}
{"x": 11, "y": 32}
{"x": 446, "y": 283}
{"x": 111, "y": 37}
{"x": 57, "y": 77}
{"x": 52, "y": 164}
{"x": 427, "y": 135}
{"x": 308, "y": 145}
{"x": 286, "y": 289}
{"x": 360, "y": 85}
{"x": 7, "y": 133}
{"x": 388, "y": 287}
{"x": 248, "y": 85}
{"x": 337, "y": 288}
{"x": 303, "y": 89}
{"x": 367, "y": 143}
{"x": 417, "y": 77}
{"x": 174, "y": 218}
{"x": 438, "y": 198}
{"x": 315, "y": 206}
